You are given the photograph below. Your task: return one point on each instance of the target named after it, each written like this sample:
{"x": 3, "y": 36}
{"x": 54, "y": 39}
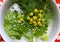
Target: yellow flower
{"x": 31, "y": 20}
{"x": 41, "y": 10}
{"x": 36, "y": 10}
{"x": 39, "y": 19}
{"x": 21, "y": 19}
{"x": 34, "y": 17}
{"x": 39, "y": 23}
{"x": 40, "y": 15}
{"x": 28, "y": 18}
{"x": 20, "y": 15}
{"x": 31, "y": 14}
{"x": 34, "y": 22}
{"x": 43, "y": 20}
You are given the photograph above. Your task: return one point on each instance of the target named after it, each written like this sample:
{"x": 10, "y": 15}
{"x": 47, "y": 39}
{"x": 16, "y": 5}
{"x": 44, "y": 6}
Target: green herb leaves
{"x": 36, "y": 12}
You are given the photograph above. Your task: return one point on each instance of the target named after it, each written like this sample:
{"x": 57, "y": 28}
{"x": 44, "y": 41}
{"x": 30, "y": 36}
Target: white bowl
{"x": 55, "y": 26}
